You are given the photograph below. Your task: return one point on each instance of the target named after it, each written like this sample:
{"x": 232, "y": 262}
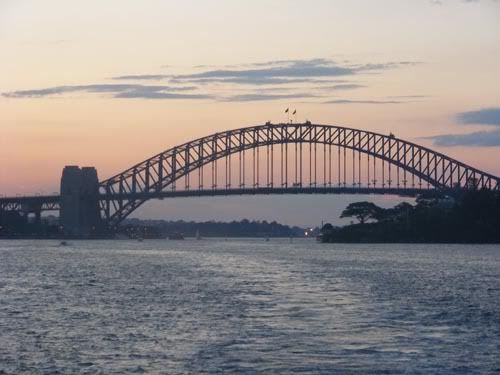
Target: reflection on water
{"x": 248, "y": 306}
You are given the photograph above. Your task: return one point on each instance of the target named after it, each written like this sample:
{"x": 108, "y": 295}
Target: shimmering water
{"x": 248, "y": 306}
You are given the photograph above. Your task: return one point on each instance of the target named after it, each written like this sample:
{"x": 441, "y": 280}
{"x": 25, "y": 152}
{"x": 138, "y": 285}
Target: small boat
{"x": 175, "y": 236}
{"x": 63, "y": 243}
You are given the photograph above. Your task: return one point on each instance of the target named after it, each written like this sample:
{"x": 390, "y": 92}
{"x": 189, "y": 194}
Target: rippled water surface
{"x": 248, "y": 306}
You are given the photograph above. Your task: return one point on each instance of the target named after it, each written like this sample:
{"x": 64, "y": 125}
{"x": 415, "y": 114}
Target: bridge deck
{"x": 51, "y": 202}
{"x": 410, "y": 192}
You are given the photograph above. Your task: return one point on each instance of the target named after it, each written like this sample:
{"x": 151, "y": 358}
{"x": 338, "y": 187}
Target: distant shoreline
{"x": 325, "y": 243}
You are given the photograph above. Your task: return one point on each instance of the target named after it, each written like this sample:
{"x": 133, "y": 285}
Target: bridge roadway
{"x": 30, "y": 203}
{"x": 51, "y": 202}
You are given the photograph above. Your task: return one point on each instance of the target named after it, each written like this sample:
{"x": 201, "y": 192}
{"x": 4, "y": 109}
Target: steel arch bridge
{"x": 288, "y": 158}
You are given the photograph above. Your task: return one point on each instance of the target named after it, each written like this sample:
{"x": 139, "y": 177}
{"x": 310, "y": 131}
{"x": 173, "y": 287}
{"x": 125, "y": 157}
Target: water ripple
{"x": 248, "y": 306}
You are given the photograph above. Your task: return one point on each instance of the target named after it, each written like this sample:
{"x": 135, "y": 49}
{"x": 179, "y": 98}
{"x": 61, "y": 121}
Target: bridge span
{"x": 52, "y": 202}
{"x": 266, "y": 159}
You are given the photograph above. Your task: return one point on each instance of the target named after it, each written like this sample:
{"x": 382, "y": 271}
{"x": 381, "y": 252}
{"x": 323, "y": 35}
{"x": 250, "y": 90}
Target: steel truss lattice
{"x": 126, "y": 191}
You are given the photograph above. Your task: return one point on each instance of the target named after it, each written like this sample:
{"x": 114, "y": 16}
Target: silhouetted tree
{"x": 327, "y": 227}
{"x": 362, "y": 211}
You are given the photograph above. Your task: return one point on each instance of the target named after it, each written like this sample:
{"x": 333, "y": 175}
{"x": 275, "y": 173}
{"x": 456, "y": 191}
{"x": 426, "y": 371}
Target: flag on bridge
{"x": 294, "y": 111}
{"x": 286, "y": 110}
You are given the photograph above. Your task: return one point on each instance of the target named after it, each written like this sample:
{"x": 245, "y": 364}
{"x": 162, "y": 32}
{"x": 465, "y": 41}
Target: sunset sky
{"x": 109, "y": 84}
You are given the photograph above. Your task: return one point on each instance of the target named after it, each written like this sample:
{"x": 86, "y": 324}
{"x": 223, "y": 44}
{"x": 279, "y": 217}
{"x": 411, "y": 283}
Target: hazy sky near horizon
{"x": 112, "y": 83}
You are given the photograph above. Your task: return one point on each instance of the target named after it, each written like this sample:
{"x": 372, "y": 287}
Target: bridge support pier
{"x": 38, "y": 216}
{"x": 79, "y": 214}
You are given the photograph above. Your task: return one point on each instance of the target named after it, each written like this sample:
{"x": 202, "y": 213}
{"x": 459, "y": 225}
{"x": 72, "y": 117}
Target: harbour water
{"x": 248, "y": 306}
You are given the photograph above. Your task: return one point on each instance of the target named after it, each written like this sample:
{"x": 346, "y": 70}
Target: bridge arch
{"x": 126, "y": 191}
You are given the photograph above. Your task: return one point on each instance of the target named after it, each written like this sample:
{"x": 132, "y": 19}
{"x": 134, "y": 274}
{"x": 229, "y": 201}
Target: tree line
{"x": 243, "y": 228}
{"x": 473, "y": 216}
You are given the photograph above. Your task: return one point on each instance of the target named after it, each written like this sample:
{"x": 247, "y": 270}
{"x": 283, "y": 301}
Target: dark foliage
{"x": 243, "y": 228}
{"x": 472, "y": 217}
{"x": 362, "y": 211}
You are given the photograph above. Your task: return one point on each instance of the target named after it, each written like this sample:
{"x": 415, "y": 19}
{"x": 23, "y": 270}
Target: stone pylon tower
{"x": 80, "y": 215}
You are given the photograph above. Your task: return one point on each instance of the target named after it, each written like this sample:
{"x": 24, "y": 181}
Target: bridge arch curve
{"x": 129, "y": 189}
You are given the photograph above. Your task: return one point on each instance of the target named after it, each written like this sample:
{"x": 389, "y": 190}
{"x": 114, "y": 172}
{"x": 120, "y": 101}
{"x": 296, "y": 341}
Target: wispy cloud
{"x": 479, "y": 139}
{"x": 261, "y": 97}
{"x": 289, "y": 70}
{"x": 408, "y": 97}
{"x": 138, "y": 94}
{"x": 345, "y": 86}
{"x": 349, "y": 101}
{"x": 486, "y": 116}
{"x": 117, "y": 91}
{"x": 243, "y": 81}
{"x": 484, "y": 138}
{"x": 141, "y": 77}
{"x": 296, "y": 79}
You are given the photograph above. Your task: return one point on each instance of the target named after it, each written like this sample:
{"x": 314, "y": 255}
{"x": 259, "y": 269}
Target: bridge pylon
{"x": 79, "y": 214}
